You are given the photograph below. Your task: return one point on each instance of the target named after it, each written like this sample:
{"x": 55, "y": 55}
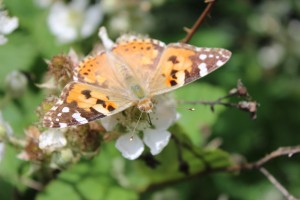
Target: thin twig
{"x": 245, "y": 102}
{"x": 190, "y": 32}
{"x": 278, "y": 185}
{"x": 210, "y": 103}
{"x": 239, "y": 167}
{"x": 290, "y": 151}
{"x": 282, "y": 151}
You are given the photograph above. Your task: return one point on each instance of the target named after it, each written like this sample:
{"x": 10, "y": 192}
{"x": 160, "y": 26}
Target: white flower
{"x": 52, "y": 139}
{"x": 156, "y": 137}
{"x": 106, "y": 41}
{"x": 75, "y": 20}
{"x": 7, "y": 25}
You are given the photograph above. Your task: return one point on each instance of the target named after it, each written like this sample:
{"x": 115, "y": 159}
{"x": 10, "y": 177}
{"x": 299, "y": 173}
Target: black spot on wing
{"x": 101, "y": 102}
{"x": 173, "y": 59}
{"x": 110, "y": 108}
{"x": 86, "y": 93}
{"x": 173, "y": 82}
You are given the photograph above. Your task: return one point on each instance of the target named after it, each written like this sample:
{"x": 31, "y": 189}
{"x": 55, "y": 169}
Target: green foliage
{"x": 256, "y": 32}
{"x": 193, "y": 121}
{"x": 109, "y": 176}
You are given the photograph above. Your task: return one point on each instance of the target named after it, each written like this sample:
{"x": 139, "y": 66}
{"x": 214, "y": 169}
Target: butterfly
{"x": 130, "y": 74}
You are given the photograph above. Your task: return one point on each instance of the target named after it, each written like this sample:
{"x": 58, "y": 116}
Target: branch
{"x": 278, "y": 185}
{"x": 190, "y": 32}
{"x": 283, "y": 151}
{"x": 240, "y": 91}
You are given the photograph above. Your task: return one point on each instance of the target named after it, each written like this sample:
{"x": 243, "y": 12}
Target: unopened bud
{"x": 16, "y": 83}
{"x": 62, "y": 158}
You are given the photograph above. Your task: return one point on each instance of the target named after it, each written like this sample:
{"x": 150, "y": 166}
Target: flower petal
{"x": 7, "y": 24}
{"x": 92, "y": 18}
{"x": 51, "y": 140}
{"x": 109, "y": 122}
{"x": 131, "y": 146}
{"x": 60, "y": 23}
{"x": 156, "y": 140}
{"x": 165, "y": 113}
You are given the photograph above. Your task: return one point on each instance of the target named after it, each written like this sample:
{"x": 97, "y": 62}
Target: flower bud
{"x": 16, "y": 83}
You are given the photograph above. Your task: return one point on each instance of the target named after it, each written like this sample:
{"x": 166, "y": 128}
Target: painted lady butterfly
{"x": 130, "y": 74}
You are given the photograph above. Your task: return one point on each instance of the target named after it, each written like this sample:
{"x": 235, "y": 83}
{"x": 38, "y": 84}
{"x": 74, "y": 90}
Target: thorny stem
{"x": 190, "y": 32}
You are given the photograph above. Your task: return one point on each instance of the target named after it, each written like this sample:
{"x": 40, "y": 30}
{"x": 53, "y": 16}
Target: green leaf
{"x": 90, "y": 179}
{"x": 194, "y": 121}
{"x": 21, "y": 115}
{"x": 6, "y": 191}
{"x": 44, "y": 40}
{"x": 10, "y": 166}
{"x": 18, "y": 54}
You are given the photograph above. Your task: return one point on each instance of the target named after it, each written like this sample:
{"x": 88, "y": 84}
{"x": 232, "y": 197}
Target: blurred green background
{"x": 264, "y": 37}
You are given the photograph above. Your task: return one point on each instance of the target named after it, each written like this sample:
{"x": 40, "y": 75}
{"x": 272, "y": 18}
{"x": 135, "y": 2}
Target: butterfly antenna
{"x": 149, "y": 119}
{"x": 137, "y": 123}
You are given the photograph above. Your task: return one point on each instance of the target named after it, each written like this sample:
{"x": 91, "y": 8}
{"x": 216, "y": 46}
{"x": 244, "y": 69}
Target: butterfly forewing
{"x": 103, "y": 84}
{"x": 141, "y": 56}
{"x": 98, "y": 71}
{"x": 181, "y": 64}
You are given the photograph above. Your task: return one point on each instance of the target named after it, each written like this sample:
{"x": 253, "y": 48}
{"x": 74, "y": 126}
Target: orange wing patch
{"x": 181, "y": 64}
{"x": 141, "y": 56}
{"x": 144, "y": 49}
{"x": 89, "y": 98}
{"x": 81, "y": 103}
{"x": 174, "y": 63}
{"x": 98, "y": 71}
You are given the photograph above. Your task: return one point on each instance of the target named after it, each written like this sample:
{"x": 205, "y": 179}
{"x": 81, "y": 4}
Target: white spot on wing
{"x": 220, "y": 63}
{"x": 203, "y": 69}
{"x": 161, "y": 44}
{"x": 62, "y": 125}
{"x": 54, "y": 108}
{"x": 59, "y": 102}
{"x": 65, "y": 110}
{"x": 203, "y": 56}
{"x": 78, "y": 118}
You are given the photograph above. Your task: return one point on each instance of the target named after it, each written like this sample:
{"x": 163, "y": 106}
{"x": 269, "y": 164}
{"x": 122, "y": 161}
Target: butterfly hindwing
{"x": 123, "y": 76}
{"x": 181, "y": 64}
{"x": 81, "y": 103}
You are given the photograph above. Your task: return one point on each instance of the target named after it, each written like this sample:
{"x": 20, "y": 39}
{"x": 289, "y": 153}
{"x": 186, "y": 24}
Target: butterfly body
{"x": 130, "y": 74}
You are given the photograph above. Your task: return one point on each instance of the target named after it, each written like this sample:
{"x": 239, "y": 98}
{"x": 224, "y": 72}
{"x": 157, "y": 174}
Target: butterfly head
{"x": 145, "y": 105}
